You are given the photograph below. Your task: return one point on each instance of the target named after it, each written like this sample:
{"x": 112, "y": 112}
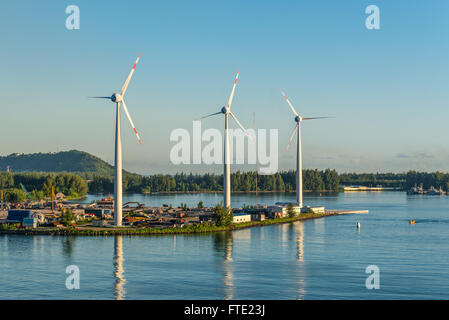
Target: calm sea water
{"x": 316, "y": 259}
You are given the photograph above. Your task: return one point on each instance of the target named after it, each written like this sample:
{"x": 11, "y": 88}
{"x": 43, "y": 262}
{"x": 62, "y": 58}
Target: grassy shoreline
{"x": 205, "y": 228}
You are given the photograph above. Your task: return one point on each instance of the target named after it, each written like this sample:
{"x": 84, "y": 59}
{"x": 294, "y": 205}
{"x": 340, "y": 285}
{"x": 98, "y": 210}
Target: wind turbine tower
{"x": 117, "y": 98}
{"x": 297, "y": 130}
{"x": 226, "y": 110}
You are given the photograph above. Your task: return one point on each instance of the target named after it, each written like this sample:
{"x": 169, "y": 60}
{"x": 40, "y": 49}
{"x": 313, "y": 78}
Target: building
{"x": 60, "y": 196}
{"x": 16, "y": 215}
{"x": 39, "y": 216}
{"x": 280, "y": 210}
{"x": 258, "y": 216}
{"x": 314, "y": 209}
{"x": 29, "y": 223}
{"x": 203, "y": 216}
{"x": 191, "y": 220}
{"x": 275, "y": 212}
{"x": 241, "y": 217}
{"x": 96, "y": 211}
{"x": 106, "y": 202}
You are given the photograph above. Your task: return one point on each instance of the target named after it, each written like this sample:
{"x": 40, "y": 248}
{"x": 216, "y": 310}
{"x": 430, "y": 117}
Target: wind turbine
{"x": 226, "y": 110}
{"x": 117, "y": 98}
{"x": 297, "y": 129}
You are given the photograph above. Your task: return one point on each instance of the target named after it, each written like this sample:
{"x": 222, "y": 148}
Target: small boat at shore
{"x": 416, "y": 190}
{"x": 435, "y": 192}
{"x": 432, "y": 191}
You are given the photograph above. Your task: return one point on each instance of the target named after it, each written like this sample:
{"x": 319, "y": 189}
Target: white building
{"x": 241, "y": 217}
{"x": 280, "y": 210}
{"x": 314, "y": 209}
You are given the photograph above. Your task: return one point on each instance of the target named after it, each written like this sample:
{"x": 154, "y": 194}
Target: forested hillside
{"x": 68, "y": 161}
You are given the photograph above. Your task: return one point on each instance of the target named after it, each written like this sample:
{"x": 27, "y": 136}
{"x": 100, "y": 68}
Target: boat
{"x": 416, "y": 190}
{"x": 435, "y": 192}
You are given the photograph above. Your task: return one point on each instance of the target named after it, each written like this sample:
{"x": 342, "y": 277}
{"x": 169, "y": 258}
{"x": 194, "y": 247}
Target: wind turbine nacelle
{"x": 224, "y": 110}
{"x": 297, "y": 119}
{"x": 116, "y": 97}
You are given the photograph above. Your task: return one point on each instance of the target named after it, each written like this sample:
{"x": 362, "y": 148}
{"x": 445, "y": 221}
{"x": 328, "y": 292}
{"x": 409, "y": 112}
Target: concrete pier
{"x": 337, "y": 212}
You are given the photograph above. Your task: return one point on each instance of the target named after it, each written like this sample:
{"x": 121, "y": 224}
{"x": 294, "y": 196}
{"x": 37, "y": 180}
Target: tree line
{"x": 402, "y": 181}
{"x": 39, "y": 184}
{"x": 313, "y": 180}
{"x": 391, "y": 180}
{"x": 18, "y": 187}
{"x": 427, "y": 179}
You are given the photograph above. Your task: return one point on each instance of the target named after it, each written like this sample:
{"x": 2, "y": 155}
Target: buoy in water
{"x": 412, "y": 221}
{"x": 358, "y": 225}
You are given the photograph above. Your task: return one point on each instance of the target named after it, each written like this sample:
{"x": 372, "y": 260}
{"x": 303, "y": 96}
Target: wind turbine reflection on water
{"x": 119, "y": 290}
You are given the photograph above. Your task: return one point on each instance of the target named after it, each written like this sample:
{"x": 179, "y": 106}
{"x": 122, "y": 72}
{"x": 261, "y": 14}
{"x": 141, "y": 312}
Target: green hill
{"x": 68, "y": 161}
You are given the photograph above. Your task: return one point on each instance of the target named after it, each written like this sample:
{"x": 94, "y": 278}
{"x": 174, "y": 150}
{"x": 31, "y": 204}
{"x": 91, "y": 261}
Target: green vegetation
{"x": 290, "y": 210}
{"x": 40, "y": 184}
{"x": 67, "y": 217}
{"x": 9, "y": 226}
{"x": 200, "y": 205}
{"x": 14, "y": 195}
{"x": 85, "y": 221}
{"x": 6, "y": 179}
{"x": 313, "y": 180}
{"x": 36, "y": 195}
{"x": 390, "y": 180}
{"x": 69, "y": 161}
{"x": 436, "y": 179}
{"x": 70, "y": 184}
{"x": 223, "y": 216}
{"x": 403, "y": 181}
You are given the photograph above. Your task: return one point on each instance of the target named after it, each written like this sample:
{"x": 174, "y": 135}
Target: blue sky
{"x": 388, "y": 88}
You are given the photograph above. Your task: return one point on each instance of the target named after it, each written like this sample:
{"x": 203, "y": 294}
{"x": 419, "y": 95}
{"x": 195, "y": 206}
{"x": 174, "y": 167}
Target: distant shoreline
{"x": 255, "y": 192}
{"x": 221, "y": 191}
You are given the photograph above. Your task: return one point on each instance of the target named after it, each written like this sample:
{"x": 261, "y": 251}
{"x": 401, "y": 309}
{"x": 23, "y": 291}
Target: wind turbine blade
{"x": 130, "y": 120}
{"x": 288, "y": 101}
{"x": 233, "y": 90}
{"x": 240, "y": 125}
{"x": 99, "y": 97}
{"x": 210, "y": 115}
{"x": 125, "y": 85}
{"x": 313, "y": 118}
{"x": 291, "y": 137}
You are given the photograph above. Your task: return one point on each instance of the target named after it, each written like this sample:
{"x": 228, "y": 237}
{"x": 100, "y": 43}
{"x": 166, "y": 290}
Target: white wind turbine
{"x": 226, "y": 110}
{"x": 117, "y": 99}
{"x": 297, "y": 129}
